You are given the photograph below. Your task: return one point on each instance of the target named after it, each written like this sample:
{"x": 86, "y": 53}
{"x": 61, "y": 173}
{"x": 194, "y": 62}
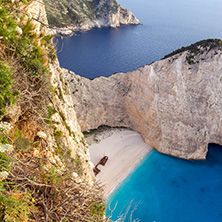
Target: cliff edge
{"x": 174, "y": 103}
{"x": 45, "y": 168}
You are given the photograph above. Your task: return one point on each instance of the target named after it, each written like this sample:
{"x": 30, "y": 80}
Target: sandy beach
{"x": 124, "y": 147}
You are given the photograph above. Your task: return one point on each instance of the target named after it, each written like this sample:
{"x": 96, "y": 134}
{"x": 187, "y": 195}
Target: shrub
{"x": 195, "y": 48}
{"x": 7, "y": 97}
{"x": 22, "y": 143}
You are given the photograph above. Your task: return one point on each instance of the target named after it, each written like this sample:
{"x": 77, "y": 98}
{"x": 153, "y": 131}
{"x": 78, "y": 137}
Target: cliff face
{"x": 65, "y": 16}
{"x": 45, "y": 171}
{"x": 62, "y": 102}
{"x": 67, "y": 125}
{"x": 37, "y": 11}
{"x": 174, "y": 103}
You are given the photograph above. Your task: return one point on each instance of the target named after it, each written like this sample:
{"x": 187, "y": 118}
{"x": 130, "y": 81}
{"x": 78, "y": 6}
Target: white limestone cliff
{"x": 174, "y": 103}
{"x": 113, "y": 18}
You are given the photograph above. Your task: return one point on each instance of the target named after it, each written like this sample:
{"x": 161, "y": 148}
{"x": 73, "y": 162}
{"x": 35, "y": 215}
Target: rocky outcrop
{"x": 64, "y": 116}
{"x": 67, "y": 124}
{"x": 68, "y": 16}
{"x": 36, "y": 11}
{"x": 111, "y": 14}
{"x": 174, "y": 103}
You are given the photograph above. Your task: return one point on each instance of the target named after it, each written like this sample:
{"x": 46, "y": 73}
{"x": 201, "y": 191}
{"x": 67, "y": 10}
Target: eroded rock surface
{"x": 174, "y": 103}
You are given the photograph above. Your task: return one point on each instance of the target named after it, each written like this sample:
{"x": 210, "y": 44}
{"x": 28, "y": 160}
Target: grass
{"x": 7, "y": 96}
{"x": 24, "y": 57}
{"x": 97, "y": 210}
{"x": 55, "y": 14}
{"x": 14, "y": 205}
{"x": 58, "y": 136}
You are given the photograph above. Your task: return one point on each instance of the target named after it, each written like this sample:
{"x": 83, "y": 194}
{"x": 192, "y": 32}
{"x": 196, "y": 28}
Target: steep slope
{"x": 87, "y": 14}
{"x": 45, "y": 168}
{"x": 174, "y": 103}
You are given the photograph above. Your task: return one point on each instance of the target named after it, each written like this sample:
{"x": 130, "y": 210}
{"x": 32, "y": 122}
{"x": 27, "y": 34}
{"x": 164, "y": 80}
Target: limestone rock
{"x": 68, "y": 125}
{"x": 37, "y": 11}
{"x": 174, "y": 103}
{"x": 67, "y": 16}
{"x": 110, "y": 14}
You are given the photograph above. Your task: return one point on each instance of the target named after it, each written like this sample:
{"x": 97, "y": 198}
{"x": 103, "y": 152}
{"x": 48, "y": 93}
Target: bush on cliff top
{"x": 7, "y": 97}
{"x": 195, "y": 48}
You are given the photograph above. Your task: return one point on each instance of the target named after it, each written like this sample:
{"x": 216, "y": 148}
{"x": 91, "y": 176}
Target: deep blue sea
{"x": 168, "y": 189}
{"x": 166, "y": 25}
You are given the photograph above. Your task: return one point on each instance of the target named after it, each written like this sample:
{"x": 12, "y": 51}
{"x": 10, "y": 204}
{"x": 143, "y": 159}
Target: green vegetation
{"x": 51, "y": 177}
{"x": 97, "y": 210}
{"x": 5, "y": 162}
{"x": 7, "y": 96}
{"x": 65, "y": 124}
{"x": 36, "y": 184}
{"x": 197, "y": 48}
{"x": 62, "y": 13}
{"x": 14, "y": 206}
{"x": 64, "y": 84}
{"x": 22, "y": 43}
{"x": 58, "y": 136}
{"x": 50, "y": 111}
{"x": 65, "y": 153}
{"x": 60, "y": 95}
{"x": 22, "y": 143}
{"x": 24, "y": 57}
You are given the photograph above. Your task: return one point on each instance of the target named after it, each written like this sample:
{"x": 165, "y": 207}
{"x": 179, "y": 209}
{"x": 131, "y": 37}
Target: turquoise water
{"x": 166, "y": 25}
{"x": 173, "y": 190}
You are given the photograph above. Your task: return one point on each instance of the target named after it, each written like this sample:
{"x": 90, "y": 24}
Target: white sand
{"x": 124, "y": 147}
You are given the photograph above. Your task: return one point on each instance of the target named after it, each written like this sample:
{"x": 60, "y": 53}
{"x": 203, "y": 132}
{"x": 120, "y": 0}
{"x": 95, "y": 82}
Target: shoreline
{"x": 127, "y": 174}
{"x": 125, "y": 149}
{"x": 72, "y": 30}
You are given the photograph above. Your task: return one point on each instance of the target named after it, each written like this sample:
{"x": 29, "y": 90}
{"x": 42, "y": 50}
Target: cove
{"x": 168, "y": 189}
{"x": 166, "y": 25}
